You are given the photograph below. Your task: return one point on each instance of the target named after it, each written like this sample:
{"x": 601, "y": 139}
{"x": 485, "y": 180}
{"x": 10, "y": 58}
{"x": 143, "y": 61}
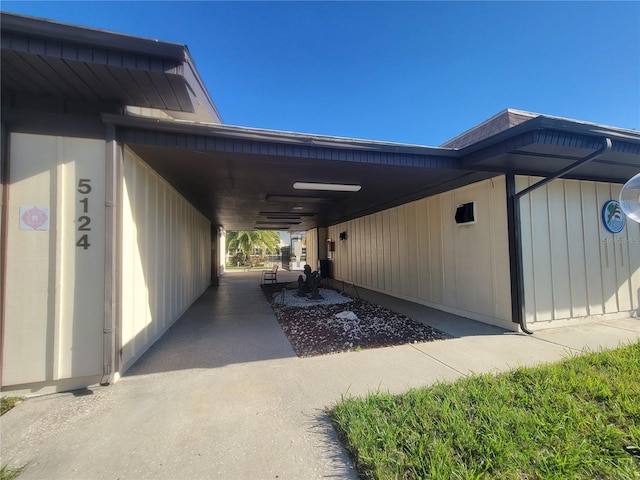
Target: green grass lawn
{"x": 570, "y": 420}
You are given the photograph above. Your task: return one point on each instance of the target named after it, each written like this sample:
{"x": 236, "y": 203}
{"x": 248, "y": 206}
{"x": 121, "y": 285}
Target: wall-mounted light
{"x": 343, "y": 235}
{"x": 333, "y": 187}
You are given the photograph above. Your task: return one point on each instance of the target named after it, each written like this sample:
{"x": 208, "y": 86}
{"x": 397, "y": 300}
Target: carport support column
{"x": 112, "y": 284}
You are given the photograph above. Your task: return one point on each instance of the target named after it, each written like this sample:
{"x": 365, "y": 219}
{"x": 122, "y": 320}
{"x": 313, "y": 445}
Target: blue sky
{"x": 414, "y": 72}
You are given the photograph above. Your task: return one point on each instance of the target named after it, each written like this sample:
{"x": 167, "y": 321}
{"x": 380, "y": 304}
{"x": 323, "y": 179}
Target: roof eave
{"x": 40, "y": 27}
{"x": 257, "y": 134}
{"x": 546, "y": 122}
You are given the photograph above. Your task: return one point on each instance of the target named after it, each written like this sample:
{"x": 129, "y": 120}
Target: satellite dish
{"x": 630, "y": 198}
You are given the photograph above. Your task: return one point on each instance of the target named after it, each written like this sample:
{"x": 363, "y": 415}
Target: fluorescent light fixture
{"x": 283, "y": 222}
{"x": 299, "y": 199}
{"x": 333, "y": 187}
{"x": 288, "y": 214}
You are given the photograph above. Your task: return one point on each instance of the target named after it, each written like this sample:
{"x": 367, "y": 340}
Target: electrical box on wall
{"x": 466, "y": 213}
{"x": 331, "y": 247}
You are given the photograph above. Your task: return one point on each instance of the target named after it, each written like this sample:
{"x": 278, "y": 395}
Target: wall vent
{"x": 466, "y": 213}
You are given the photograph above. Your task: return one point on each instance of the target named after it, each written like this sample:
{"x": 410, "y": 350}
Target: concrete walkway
{"x": 223, "y": 396}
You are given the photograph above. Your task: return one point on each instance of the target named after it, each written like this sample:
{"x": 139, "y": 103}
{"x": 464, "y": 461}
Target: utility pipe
{"x": 111, "y": 259}
{"x": 4, "y": 181}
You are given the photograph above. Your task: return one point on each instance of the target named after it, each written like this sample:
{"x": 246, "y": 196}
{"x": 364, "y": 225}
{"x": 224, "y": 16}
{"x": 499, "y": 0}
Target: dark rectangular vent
{"x": 466, "y": 213}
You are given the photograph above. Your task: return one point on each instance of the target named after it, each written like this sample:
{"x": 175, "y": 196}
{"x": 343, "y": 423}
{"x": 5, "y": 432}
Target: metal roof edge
{"x": 202, "y": 88}
{"x": 104, "y": 39}
{"x": 42, "y": 27}
{"x": 257, "y": 134}
{"x": 589, "y": 128}
{"x": 479, "y": 126}
{"x": 547, "y": 122}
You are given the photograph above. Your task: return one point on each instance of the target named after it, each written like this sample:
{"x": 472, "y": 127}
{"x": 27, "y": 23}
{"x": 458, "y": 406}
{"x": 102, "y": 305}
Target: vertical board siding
{"x": 423, "y": 248}
{"x": 166, "y": 257}
{"x": 312, "y": 248}
{"x": 416, "y": 251}
{"x": 577, "y": 271}
{"x": 376, "y": 253}
{"x": 575, "y": 268}
{"x": 607, "y": 256}
{"x": 499, "y": 248}
{"x": 436, "y": 267}
{"x": 411, "y": 256}
{"x": 54, "y": 309}
{"x": 541, "y": 241}
{"x": 386, "y": 252}
{"x": 559, "y": 249}
{"x": 451, "y": 247}
{"x": 394, "y": 234}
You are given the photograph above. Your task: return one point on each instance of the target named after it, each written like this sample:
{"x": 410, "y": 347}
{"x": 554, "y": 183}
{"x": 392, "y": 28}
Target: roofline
{"x": 259, "y": 134}
{"x": 104, "y": 39}
{"x": 548, "y": 122}
{"x": 42, "y": 27}
{"x": 201, "y": 87}
{"x": 489, "y": 120}
{"x": 541, "y": 122}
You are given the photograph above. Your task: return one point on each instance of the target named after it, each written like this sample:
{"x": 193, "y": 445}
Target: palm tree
{"x": 245, "y": 242}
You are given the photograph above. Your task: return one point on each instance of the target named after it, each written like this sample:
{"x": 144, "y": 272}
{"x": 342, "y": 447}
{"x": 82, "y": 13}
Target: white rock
{"x": 329, "y": 297}
{"x": 348, "y": 315}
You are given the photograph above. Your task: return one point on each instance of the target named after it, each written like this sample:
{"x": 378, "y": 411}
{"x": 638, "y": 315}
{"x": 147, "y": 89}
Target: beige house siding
{"x": 55, "y": 296}
{"x": 573, "y": 267}
{"x": 166, "y": 257}
{"x": 312, "y": 248}
{"x": 417, "y": 251}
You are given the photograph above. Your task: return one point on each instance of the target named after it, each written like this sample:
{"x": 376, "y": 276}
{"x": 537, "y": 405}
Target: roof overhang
{"x": 545, "y": 145}
{"x": 51, "y": 60}
{"x": 243, "y": 178}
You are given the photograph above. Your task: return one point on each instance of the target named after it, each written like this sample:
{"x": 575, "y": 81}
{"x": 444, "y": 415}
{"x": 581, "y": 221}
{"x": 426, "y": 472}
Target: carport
{"x": 121, "y": 131}
{"x": 245, "y": 179}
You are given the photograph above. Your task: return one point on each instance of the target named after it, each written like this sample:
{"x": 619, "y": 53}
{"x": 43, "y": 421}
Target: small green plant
{"x": 8, "y": 473}
{"x": 7, "y": 403}
{"x": 357, "y": 348}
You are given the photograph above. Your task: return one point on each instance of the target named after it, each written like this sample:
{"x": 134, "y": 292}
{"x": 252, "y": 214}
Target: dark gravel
{"x": 315, "y": 330}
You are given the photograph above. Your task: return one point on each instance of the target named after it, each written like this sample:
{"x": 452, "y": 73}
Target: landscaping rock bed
{"x": 338, "y": 323}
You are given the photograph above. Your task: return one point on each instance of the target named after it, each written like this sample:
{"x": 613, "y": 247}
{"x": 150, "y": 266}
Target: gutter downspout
{"x": 113, "y": 185}
{"x": 4, "y": 182}
{"x": 515, "y": 233}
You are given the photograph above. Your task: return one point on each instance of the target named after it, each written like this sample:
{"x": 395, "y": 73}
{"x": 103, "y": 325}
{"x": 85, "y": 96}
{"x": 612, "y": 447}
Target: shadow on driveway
{"x": 229, "y": 324}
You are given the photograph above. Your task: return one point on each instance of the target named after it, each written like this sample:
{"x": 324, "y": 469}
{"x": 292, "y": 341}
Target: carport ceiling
{"x": 242, "y": 191}
{"x": 243, "y": 179}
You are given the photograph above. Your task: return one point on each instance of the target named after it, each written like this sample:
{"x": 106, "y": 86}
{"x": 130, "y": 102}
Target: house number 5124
{"x": 84, "y": 220}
